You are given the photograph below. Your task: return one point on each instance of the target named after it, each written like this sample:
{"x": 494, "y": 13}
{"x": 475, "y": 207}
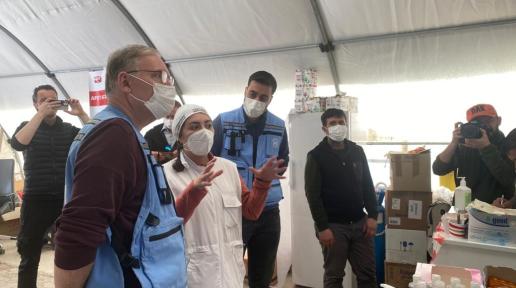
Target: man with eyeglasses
{"x": 489, "y": 173}
{"x": 119, "y": 226}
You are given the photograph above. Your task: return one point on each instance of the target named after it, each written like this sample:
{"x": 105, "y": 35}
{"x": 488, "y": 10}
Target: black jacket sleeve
{"x": 500, "y": 166}
{"x": 368, "y": 191}
{"x": 14, "y": 142}
{"x": 313, "y": 187}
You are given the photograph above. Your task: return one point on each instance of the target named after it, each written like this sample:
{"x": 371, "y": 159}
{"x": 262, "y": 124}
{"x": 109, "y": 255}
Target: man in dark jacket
{"x": 338, "y": 187}
{"x": 45, "y": 141}
{"x": 160, "y": 139}
{"x": 489, "y": 173}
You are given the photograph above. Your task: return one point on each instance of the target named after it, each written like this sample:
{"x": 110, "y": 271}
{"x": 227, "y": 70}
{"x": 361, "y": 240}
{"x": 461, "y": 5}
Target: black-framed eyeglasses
{"x": 160, "y": 76}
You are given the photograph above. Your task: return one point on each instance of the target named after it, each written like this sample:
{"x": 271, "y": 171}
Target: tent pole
{"x": 327, "y": 45}
{"x": 147, "y": 40}
{"x": 37, "y": 60}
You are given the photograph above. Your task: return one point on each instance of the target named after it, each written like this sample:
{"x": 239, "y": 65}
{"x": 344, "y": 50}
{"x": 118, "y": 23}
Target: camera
{"x": 63, "y": 104}
{"x": 471, "y": 130}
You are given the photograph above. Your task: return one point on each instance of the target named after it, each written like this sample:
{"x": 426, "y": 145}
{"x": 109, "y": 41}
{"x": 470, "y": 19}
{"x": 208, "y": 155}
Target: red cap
{"x": 481, "y": 110}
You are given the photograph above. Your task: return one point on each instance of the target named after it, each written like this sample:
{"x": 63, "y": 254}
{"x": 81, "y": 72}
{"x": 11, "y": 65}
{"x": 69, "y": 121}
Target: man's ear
{"x": 325, "y": 130}
{"x": 123, "y": 82}
{"x": 499, "y": 120}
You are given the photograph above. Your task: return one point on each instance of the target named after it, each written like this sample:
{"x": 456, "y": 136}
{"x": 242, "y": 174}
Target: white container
{"x": 462, "y": 195}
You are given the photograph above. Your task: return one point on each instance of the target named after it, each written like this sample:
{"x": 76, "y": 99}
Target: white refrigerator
{"x": 307, "y": 261}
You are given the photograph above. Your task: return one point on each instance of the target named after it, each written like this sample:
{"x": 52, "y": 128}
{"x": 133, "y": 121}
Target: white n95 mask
{"x": 162, "y": 100}
{"x": 200, "y": 142}
{"x": 254, "y": 108}
{"x": 338, "y": 132}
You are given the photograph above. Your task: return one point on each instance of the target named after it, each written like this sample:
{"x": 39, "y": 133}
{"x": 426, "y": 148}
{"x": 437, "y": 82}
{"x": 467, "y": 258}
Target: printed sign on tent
{"x": 98, "y": 98}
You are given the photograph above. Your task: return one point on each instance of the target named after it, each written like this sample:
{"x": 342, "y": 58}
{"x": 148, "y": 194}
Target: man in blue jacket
{"x": 248, "y": 136}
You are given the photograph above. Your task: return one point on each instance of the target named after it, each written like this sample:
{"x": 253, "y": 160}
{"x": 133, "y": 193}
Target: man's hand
{"x": 48, "y": 107}
{"x": 270, "y": 170}
{"x": 370, "y": 227}
{"x": 479, "y": 143}
{"x": 502, "y": 203}
{"x": 76, "y": 110}
{"x": 164, "y": 157}
{"x": 326, "y": 238}
{"x": 456, "y": 136}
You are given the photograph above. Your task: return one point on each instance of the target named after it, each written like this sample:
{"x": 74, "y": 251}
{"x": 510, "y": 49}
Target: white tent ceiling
{"x": 214, "y": 45}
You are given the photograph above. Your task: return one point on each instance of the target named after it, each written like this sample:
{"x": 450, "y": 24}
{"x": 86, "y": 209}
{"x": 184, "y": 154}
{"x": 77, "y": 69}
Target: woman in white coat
{"x": 213, "y": 233}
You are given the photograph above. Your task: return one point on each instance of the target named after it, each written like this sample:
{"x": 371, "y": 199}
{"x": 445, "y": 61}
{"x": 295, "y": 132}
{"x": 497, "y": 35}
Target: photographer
{"x": 45, "y": 141}
{"x": 475, "y": 152}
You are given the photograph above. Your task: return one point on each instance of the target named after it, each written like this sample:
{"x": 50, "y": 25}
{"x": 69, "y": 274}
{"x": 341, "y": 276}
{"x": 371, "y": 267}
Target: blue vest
{"x": 238, "y": 147}
{"x": 157, "y": 249}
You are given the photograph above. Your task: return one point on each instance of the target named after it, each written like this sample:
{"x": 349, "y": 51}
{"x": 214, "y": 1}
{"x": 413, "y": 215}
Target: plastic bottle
{"x": 455, "y": 282}
{"x": 435, "y": 279}
{"x": 462, "y": 195}
{"x": 416, "y": 278}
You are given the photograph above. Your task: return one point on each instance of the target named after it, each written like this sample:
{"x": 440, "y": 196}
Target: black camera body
{"x": 471, "y": 130}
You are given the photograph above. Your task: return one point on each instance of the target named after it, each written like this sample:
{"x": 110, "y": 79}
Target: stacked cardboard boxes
{"x": 407, "y": 202}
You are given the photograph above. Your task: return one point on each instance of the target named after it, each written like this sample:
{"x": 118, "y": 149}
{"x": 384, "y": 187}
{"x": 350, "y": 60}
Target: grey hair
{"x": 124, "y": 59}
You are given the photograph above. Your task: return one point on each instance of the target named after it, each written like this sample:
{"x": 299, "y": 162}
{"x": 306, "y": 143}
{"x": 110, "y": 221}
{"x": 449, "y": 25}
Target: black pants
{"x": 350, "y": 244}
{"x": 261, "y": 239}
{"x": 35, "y": 219}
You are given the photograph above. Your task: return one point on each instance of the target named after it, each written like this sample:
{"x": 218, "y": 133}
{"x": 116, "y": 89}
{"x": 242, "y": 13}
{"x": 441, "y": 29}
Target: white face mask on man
{"x": 200, "y": 142}
{"x": 338, "y": 132}
{"x": 162, "y": 99}
{"x": 254, "y": 108}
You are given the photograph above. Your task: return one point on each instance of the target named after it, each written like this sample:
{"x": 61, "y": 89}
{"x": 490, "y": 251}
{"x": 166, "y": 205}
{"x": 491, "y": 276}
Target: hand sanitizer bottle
{"x": 462, "y": 195}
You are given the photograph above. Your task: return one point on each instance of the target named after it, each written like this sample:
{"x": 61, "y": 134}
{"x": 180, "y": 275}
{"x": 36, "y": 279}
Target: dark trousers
{"x": 350, "y": 244}
{"x": 35, "y": 218}
{"x": 261, "y": 239}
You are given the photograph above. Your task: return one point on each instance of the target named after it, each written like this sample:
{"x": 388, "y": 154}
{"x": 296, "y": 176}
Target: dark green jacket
{"x": 489, "y": 173}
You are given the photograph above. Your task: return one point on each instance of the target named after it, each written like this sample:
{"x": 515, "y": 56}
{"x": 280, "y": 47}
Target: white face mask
{"x": 338, "y": 132}
{"x": 254, "y": 108}
{"x": 200, "y": 142}
{"x": 161, "y": 101}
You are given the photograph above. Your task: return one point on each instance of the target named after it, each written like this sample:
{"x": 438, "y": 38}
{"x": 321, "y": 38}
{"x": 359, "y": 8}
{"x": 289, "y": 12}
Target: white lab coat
{"x": 213, "y": 235}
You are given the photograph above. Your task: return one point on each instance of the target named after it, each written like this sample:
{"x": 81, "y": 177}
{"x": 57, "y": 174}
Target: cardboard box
{"x": 410, "y": 172}
{"x": 502, "y": 273}
{"x": 408, "y": 210}
{"x": 466, "y": 275}
{"x": 405, "y": 246}
{"x": 399, "y": 275}
{"x": 491, "y": 228}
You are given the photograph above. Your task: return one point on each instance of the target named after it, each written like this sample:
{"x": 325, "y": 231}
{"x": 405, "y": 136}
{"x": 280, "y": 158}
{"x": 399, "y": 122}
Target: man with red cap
{"x": 488, "y": 171}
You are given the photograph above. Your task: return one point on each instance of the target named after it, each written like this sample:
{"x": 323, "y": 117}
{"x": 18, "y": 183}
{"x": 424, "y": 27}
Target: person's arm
{"x": 446, "y": 161}
{"x": 369, "y": 196}
{"x": 218, "y": 137}
{"x": 193, "y": 194}
{"x": 99, "y": 188}
{"x": 71, "y": 279}
{"x": 313, "y": 193}
{"x": 254, "y": 202}
{"x": 500, "y": 166}
{"x": 368, "y": 191}
{"x": 25, "y": 134}
{"x": 283, "y": 152}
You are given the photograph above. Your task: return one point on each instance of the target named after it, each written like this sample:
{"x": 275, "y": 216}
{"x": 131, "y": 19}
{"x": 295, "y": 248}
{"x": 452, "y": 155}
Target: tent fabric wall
{"x": 72, "y": 36}
{"x": 214, "y": 45}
